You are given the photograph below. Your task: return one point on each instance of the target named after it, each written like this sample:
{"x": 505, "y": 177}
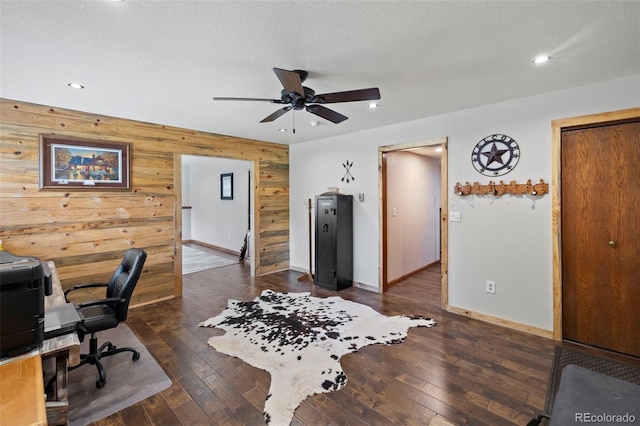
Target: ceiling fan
{"x": 297, "y": 97}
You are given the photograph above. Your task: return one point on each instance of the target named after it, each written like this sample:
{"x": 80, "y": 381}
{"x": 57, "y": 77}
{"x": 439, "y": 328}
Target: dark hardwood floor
{"x": 462, "y": 371}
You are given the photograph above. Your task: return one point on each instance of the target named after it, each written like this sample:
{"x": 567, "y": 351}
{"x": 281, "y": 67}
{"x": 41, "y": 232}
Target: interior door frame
{"x": 177, "y": 250}
{"x": 556, "y": 192}
{"x": 444, "y": 209}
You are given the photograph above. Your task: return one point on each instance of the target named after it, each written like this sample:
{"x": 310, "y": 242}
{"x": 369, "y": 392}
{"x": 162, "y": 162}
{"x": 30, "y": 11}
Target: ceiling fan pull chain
{"x": 294, "y": 121}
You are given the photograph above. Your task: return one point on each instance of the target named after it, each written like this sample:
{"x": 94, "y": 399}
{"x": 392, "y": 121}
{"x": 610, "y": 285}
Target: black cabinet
{"x": 334, "y": 241}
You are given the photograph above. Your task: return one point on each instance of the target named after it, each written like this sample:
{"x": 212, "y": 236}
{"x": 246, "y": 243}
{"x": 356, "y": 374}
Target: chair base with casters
{"x": 93, "y": 358}
{"x": 96, "y": 353}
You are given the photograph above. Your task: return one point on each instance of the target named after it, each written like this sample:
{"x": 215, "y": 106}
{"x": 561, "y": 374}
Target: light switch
{"x": 454, "y": 217}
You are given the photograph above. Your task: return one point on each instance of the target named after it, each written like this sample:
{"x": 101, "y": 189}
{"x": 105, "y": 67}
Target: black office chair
{"x": 103, "y": 314}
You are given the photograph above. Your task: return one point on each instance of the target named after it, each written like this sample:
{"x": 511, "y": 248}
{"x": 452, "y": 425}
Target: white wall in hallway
{"x": 413, "y": 200}
{"x": 222, "y": 223}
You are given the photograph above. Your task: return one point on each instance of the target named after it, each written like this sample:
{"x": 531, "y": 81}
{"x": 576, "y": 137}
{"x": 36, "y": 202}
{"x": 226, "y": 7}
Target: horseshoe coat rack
{"x": 501, "y": 188}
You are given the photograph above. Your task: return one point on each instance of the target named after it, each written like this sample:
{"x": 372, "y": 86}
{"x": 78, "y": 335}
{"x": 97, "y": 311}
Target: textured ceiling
{"x": 163, "y": 61}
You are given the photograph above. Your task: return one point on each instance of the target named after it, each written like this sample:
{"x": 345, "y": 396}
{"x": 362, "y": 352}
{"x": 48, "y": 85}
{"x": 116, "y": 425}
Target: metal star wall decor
{"x": 495, "y": 155}
{"x": 347, "y": 174}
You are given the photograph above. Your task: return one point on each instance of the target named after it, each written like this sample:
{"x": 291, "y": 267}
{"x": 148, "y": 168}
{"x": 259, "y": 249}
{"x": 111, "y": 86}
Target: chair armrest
{"x": 82, "y": 286}
{"x": 100, "y": 302}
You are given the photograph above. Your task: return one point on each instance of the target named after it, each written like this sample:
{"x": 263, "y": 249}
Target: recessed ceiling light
{"x": 75, "y": 85}
{"x": 373, "y": 105}
{"x": 541, "y": 59}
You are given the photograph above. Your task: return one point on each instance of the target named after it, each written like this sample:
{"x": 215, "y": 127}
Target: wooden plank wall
{"x": 86, "y": 232}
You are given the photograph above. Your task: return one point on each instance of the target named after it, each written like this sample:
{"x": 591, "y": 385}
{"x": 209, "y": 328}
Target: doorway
{"x": 597, "y": 231}
{"x": 215, "y": 206}
{"x": 388, "y": 211}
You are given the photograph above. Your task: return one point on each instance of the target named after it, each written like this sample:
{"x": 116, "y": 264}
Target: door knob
{"x": 612, "y": 243}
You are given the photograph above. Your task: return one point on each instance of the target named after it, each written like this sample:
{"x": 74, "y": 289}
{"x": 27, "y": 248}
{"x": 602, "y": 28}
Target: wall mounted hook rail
{"x": 501, "y": 188}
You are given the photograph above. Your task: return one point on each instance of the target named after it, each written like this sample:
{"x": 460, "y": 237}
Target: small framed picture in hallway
{"x": 226, "y": 186}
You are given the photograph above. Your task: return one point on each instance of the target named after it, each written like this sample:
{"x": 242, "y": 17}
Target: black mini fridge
{"x": 334, "y": 241}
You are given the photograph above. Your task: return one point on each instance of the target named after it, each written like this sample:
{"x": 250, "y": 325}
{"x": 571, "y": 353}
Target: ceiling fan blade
{"x": 276, "y": 114}
{"x": 351, "y": 96}
{"x": 273, "y": 101}
{"x": 326, "y": 113}
{"x": 290, "y": 81}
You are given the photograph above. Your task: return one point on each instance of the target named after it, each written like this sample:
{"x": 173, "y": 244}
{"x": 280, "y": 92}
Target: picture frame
{"x": 83, "y": 164}
{"x": 226, "y": 186}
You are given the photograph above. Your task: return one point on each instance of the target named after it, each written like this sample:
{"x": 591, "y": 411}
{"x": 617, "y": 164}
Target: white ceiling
{"x": 163, "y": 61}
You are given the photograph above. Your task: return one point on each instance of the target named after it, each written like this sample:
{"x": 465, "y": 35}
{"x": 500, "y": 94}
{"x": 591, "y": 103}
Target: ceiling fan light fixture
{"x": 541, "y": 59}
{"x": 314, "y": 123}
{"x": 373, "y": 105}
{"x": 282, "y": 130}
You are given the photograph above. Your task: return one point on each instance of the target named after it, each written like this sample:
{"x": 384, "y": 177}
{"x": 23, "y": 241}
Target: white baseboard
{"x": 366, "y": 287}
{"x": 214, "y": 247}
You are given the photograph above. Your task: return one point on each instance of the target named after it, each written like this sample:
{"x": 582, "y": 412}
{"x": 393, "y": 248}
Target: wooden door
{"x": 600, "y": 222}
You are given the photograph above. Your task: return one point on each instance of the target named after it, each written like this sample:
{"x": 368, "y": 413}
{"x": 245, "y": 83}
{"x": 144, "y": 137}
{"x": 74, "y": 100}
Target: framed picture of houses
{"x": 67, "y": 162}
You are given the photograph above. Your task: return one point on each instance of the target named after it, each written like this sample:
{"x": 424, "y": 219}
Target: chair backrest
{"x": 125, "y": 279}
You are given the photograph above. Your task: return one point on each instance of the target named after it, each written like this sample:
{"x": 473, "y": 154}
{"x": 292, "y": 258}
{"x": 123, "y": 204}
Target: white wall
{"x": 316, "y": 166}
{"x": 413, "y": 189}
{"x": 506, "y": 239}
{"x": 222, "y": 223}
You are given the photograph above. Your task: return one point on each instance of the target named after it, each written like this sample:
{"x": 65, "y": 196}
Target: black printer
{"x": 24, "y": 281}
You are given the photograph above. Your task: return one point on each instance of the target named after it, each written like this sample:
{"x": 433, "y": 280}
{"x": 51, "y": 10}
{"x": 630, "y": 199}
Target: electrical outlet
{"x": 491, "y": 287}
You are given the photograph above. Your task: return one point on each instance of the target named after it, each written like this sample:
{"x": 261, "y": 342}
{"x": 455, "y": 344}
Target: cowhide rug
{"x": 299, "y": 340}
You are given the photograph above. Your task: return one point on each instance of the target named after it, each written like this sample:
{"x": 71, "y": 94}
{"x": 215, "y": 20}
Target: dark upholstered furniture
{"x": 586, "y": 396}
{"x": 103, "y": 314}
{"x": 583, "y": 386}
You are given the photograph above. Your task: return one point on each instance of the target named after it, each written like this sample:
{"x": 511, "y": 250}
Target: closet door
{"x": 600, "y": 227}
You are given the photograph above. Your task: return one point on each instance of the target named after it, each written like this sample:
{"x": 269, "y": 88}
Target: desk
{"x": 66, "y": 351}
{"x": 21, "y": 391}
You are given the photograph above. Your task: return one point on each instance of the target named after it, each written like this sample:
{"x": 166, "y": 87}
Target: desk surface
{"x": 57, "y": 294}
{"x": 68, "y": 342}
{"x": 22, "y": 392}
